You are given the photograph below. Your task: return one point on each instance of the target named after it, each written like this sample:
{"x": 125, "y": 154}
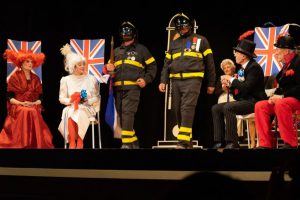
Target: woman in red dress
{"x": 24, "y": 126}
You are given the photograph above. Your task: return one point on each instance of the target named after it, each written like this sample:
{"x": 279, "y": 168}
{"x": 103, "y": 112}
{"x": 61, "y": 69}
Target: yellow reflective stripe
{"x": 193, "y": 54}
{"x": 128, "y": 133}
{"x": 175, "y": 55}
{"x": 185, "y": 129}
{"x": 150, "y": 60}
{"x": 207, "y": 51}
{"x": 187, "y": 75}
{"x": 183, "y": 137}
{"x": 117, "y": 63}
{"x": 129, "y": 140}
{"x": 168, "y": 56}
{"x": 118, "y": 83}
{"x": 134, "y": 63}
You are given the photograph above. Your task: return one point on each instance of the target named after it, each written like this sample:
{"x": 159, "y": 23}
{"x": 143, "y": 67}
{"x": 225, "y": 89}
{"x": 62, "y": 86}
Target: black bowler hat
{"x": 285, "y": 42}
{"x": 246, "y": 47}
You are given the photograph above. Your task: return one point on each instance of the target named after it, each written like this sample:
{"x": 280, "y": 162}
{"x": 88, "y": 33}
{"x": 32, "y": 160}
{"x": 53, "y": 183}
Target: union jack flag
{"x": 265, "y": 38}
{"x": 93, "y": 51}
{"x": 16, "y": 46}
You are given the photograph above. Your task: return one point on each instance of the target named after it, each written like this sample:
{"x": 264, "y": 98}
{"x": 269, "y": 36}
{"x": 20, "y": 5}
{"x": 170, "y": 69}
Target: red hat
{"x": 19, "y": 57}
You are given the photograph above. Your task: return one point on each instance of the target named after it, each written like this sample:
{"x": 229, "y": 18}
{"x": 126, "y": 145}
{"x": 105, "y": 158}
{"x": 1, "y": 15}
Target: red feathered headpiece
{"x": 19, "y": 57}
{"x": 245, "y": 35}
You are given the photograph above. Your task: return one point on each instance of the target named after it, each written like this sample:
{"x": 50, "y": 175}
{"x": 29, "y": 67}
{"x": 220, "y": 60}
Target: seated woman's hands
{"x": 30, "y": 104}
{"x": 274, "y": 98}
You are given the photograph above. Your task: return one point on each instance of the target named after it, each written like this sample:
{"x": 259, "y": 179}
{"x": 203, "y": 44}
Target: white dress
{"x": 74, "y": 83}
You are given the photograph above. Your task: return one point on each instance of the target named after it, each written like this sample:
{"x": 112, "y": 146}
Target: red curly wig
{"x": 19, "y": 57}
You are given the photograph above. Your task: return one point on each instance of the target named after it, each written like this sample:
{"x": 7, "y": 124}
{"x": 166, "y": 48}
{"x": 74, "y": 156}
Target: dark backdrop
{"x": 54, "y": 23}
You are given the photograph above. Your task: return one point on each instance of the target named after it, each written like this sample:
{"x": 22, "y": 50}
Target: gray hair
{"x": 227, "y": 62}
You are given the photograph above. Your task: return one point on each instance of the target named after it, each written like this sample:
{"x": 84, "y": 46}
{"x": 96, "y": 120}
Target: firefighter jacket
{"x": 189, "y": 56}
{"x": 131, "y": 63}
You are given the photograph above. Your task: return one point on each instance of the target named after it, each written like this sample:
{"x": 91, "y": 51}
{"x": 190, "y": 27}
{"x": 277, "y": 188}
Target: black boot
{"x": 184, "y": 144}
{"x": 131, "y": 145}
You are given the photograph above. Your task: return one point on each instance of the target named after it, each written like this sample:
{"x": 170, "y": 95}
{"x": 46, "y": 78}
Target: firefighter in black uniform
{"x": 188, "y": 58}
{"x": 133, "y": 68}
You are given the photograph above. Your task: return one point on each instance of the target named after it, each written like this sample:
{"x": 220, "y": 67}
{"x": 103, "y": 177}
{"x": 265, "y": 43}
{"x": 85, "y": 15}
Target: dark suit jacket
{"x": 252, "y": 88}
{"x": 289, "y": 85}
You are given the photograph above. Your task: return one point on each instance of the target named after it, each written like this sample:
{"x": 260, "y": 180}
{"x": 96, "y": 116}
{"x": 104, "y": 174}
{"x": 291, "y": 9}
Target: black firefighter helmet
{"x": 182, "y": 21}
{"x": 127, "y": 31}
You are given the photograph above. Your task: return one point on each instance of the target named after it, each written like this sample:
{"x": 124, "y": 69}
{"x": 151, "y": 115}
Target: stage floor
{"x": 146, "y": 169}
{"x": 119, "y": 163}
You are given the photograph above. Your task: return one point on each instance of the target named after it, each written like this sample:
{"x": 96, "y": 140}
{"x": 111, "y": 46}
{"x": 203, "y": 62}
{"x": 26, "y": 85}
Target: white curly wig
{"x": 71, "y": 58}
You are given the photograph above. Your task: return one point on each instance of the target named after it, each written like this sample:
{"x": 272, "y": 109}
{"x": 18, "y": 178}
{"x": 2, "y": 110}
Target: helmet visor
{"x": 181, "y": 23}
{"x": 126, "y": 31}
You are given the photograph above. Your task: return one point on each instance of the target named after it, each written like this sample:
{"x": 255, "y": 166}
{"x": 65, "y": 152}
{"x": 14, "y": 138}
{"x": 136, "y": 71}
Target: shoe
{"x": 217, "y": 145}
{"x": 241, "y": 139}
{"x": 232, "y": 145}
{"x": 135, "y": 145}
{"x": 126, "y": 146}
{"x": 261, "y": 147}
{"x": 184, "y": 145}
{"x": 131, "y": 145}
{"x": 287, "y": 146}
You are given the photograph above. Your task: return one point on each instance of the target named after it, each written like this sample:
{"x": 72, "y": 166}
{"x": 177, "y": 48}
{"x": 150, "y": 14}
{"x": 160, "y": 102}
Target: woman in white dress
{"x": 80, "y": 93}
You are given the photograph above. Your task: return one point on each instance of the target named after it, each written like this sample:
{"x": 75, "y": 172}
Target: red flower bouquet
{"x": 78, "y": 97}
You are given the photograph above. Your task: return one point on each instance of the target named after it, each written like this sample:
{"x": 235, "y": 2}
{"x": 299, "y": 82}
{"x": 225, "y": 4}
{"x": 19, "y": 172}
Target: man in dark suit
{"x": 247, "y": 88}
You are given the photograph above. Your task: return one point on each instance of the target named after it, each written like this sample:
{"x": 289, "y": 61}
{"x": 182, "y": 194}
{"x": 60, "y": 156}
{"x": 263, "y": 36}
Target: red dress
{"x": 24, "y": 127}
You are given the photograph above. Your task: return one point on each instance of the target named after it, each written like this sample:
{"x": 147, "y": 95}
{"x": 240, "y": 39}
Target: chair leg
{"x": 65, "y": 128}
{"x": 93, "y": 135}
{"x": 276, "y": 133}
{"x": 252, "y": 133}
{"x": 248, "y": 133}
{"x": 99, "y": 131}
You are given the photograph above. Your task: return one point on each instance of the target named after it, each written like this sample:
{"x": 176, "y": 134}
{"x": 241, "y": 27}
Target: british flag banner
{"x": 93, "y": 51}
{"x": 16, "y": 46}
{"x": 265, "y": 38}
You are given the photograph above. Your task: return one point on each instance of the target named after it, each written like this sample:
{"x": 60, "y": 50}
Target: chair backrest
{"x": 97, "y": 105}
{"x": 270, "y": 92}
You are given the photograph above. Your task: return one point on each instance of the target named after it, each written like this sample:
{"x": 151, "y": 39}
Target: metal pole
{"x": 165, "y": 114}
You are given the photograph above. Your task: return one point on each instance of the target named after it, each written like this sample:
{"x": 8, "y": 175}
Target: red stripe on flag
{"x": 271, "y": 50}
{"x": 24, "y": 46}
{"x": 86, "y": 49}
{"x": 96, "y": 61}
